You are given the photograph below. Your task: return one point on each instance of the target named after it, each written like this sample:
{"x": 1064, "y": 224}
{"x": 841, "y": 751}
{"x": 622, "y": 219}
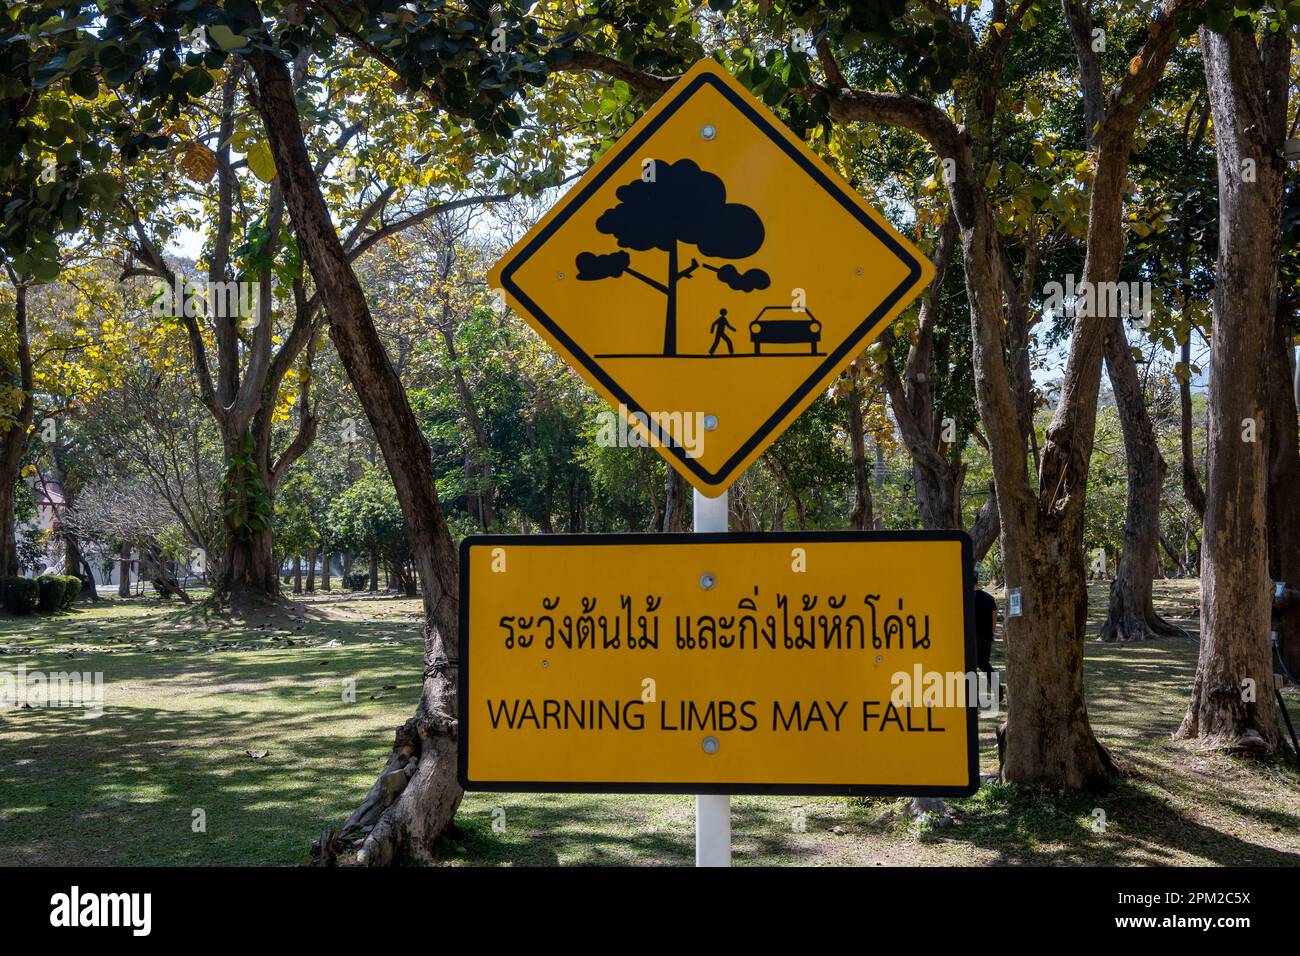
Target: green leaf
{"x": 45, "y": 270}
{"x": 198, "y": 81}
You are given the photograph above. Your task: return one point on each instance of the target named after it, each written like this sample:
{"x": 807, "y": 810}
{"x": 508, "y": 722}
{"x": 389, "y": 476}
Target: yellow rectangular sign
{"x": 827, "y": 663}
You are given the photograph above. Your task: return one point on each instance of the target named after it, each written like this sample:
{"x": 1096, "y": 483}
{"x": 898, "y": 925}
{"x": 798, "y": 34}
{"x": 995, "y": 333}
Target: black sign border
{"x": 725, "y": 473}
{"x": 650, "y": 540}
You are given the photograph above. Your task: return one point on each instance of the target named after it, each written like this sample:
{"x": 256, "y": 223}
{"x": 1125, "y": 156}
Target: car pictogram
{"x": 786, "y": 325}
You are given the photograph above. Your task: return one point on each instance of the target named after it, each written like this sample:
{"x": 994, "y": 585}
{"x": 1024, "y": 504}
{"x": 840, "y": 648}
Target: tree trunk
{"x": 163, "y": 580}
{"x": 1232, "y": 702}
{"x": 676, "y": 496}
{"x": 986, "y": 527}
{"x": 1131, "y": 614}
{"x": 1192, "y": 490}
{"x": 13, "y": 441}
{"x": 670, "y": 319}
{"x": 861, "y": 517}
{"x": 374, "y": 572}
{"x": 74, "y": 563}
{"x": 878, "y": 518}
{"x": 8, "y": 531}
{"x": 1284, "y": 491}
{"x": 937, "y": 477}
{"x": 1047, "y": 738}
{"x": 249, "y": 571}
{"x": 297, "y": 574}
{"x": 311, "y": 570}
{"x": 937, "y": 497}
{"x": 478, "y": 468}
{"x": 124, "y": 571}
{"x": 787, "y": 485}
{"x": 407, "y": 816}
{"x": 326, "y": 557}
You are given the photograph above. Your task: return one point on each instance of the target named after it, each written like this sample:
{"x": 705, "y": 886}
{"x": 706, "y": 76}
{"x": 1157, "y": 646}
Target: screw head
{"x": 708, "y": 132}
{"x": 559, "y": 275}
{"x": 710, "y": 423}
{"x": 707, "y": 581}
{"x": 710, "y": 745}
{"x": 546, "y": 663}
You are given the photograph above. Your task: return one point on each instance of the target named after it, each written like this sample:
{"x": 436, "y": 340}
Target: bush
{"x": 51, "y": 590}
{"x": 18, "y": 595}
{"x": 71, "y": 588}
{"x": 359, "y": 581}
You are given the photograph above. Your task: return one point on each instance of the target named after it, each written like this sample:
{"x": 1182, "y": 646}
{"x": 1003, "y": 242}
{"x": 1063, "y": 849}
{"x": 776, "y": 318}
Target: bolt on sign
{"x": 709, "y": 276}
{"x": 835, "y": 663}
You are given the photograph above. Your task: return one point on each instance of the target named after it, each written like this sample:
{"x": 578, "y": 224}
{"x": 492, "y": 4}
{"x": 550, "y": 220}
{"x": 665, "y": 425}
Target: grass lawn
{"x": 245, "y": 722}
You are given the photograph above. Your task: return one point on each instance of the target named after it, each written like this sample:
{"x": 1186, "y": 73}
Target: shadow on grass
{"x": 561, "y": 829}
{"x": 1134, "y": 823}
{"x": 149, "y": 786}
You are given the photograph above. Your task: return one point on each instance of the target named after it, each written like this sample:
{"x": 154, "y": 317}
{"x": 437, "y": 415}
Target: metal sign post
{"x": 712, "y": 810}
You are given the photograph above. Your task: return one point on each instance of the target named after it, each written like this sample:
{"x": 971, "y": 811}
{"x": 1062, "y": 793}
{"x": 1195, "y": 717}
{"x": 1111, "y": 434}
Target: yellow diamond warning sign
{"x": 709, "y": 276}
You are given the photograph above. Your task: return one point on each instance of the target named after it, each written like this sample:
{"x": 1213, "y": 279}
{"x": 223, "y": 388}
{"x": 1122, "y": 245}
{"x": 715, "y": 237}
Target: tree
{"x": 131, "y": 511}
{"x": 411, "y": 821}
{"x": 256, "y": 371}
{"x": 296, "y": 530}
{"x": 1284, "y": 436}
{"x": 61, "y": 345}
{"x": 367, "y": 518}
{"x": 1131, "y": 614}
{"x": 923, "y": 359}
{"x": 1246, "y": 71}
{"x": 16, "y": 416}
{"x": 811, "y": 467}
{"x": 150, "y": 429}
{"x": 1047, "y": 737}
{"x": 675, "y": 203}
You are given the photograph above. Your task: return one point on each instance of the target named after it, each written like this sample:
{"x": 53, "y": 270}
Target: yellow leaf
{"x": 260, "y": 161}
{"x": 198, "y": 163}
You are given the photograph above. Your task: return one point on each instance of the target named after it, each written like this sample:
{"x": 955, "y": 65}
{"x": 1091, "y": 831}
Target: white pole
{"x": 712, "y": 811}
